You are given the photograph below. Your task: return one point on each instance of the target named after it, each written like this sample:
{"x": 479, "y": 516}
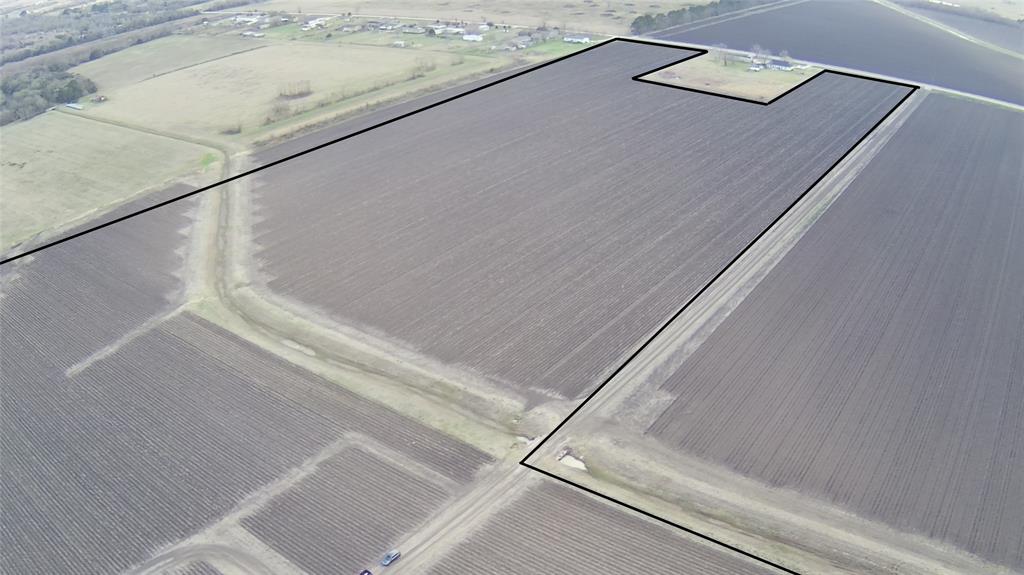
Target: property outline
{"x": 702, "y": 52}
{"x": 643, "y": 345}
{"x": 524, "y": 461}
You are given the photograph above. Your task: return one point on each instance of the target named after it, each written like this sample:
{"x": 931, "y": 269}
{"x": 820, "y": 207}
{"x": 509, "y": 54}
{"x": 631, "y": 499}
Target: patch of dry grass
{"x": 709, "y": 74}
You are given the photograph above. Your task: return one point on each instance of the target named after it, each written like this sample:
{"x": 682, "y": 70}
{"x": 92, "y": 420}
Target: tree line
{"x": 652, "y": 22}
{"x": 30, "y": 34}
{"x": 32, "y": 91}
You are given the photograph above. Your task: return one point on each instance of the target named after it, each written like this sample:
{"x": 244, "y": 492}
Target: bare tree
{"x": 721, "y": 53}
{"x": 757, "y": 50}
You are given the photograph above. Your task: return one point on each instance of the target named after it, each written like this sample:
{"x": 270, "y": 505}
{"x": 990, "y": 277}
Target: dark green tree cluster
{"x": 652, "y": 22}
{"x": 29, "y": 34}
{"x": 31, "y": 92}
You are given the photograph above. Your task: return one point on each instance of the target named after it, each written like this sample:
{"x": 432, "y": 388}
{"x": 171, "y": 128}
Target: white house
{"x": 577, "y": 39}
{"x": 473, "y": 37}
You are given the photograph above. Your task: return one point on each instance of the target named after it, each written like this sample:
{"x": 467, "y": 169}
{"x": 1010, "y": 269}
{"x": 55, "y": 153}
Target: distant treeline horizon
{"x": 654, "y": 22}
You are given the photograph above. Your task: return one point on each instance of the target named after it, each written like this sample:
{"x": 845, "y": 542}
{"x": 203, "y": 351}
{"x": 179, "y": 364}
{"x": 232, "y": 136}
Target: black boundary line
{"x": 913, "y": 88}
{"x": 697, "y": 52}
{"x": 703, "y": 52}
{"x": 310, "y": 150}
{"x": 523, "y": 461}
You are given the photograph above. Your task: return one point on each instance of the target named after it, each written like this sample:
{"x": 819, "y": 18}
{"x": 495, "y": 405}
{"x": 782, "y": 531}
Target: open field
{"x": 159, "y": 57}
{"x": 898, "y": 45}
{"x": 245, "y": 90}
{"x": 553, "y": 528}
{"x": 152, "y": 443}
{"x": 143, "y": 443}
{"x": 732, "y": 78}
{"x": 605, "y": 16}
{"x": 82, "y": 297}
{"x": 348, "y": 514}
{"x": 543, "y": 279}
{"x": 230, "y": 83}
{"x": 47, "y": 158}
{"x": 878, "y": 365}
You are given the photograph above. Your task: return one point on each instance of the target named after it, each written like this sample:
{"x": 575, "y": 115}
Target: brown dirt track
{"x": 592, "y": 537}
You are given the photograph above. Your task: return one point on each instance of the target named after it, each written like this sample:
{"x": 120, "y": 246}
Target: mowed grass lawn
{"x": 58, "y": 169}
{"x": 208, "y": 100}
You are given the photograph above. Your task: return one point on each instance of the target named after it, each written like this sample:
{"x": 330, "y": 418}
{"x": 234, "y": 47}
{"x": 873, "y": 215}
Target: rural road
{"x": 506, "y": 480}
{"x": 499, "y": 487}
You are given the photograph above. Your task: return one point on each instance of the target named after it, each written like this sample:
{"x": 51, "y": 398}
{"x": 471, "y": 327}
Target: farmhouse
{"x": 473, "y": 37}
{"x": 248, "y": 20}
{"x": 574, "y": 39}
{"x": 776, "y": 64}
{"x": 520, "y": 42}
{"x": 318, "y": 22}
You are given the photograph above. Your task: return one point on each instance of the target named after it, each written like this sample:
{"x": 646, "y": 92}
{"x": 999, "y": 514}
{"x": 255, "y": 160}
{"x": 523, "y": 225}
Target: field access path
{"x": 818, "y": 537}
{"x": 229, "y": 284}
{"x": 477, "y": 503}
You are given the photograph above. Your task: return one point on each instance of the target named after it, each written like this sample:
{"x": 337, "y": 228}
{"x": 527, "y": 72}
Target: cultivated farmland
{"x": 347, "y": 514}
{"x": 898, "y": 45}
{"x": 879, "y": 364}
{"x": 1007, "y": 34}
{"x": 46, "y": 157}
{"x": 553, "y": 528}
{"x": 537, "y": 230}
{"x": 201, "y": 568}
{"x": 143, "y": 446}
{"x": 60, "y": 308}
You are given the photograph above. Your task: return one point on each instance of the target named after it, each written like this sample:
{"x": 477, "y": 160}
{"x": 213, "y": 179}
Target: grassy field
{"x": 733, "y": 79}
{"x": 272, "y": 90}
{"x": 57, "y": 169}
{"x": 159, "y": 57}
{"x": 602, "y": 17}
{"x": 244, "y": 90}
{"x": 219, "y": 88}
